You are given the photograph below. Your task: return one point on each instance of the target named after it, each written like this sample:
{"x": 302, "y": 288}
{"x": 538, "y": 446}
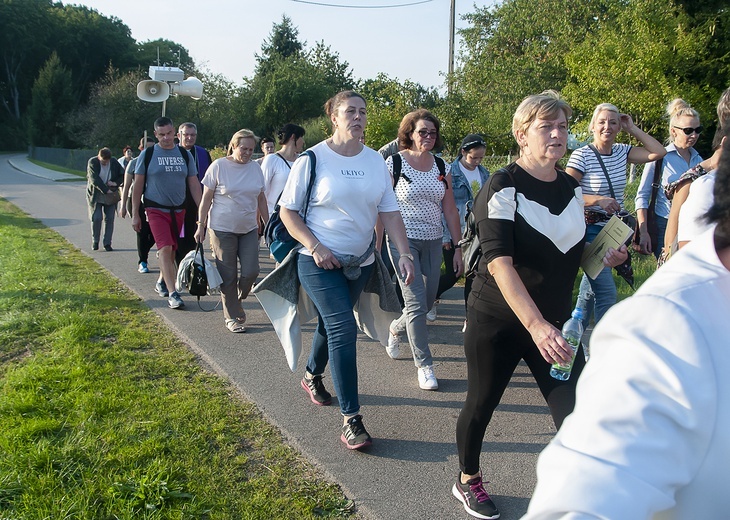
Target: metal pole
{"x": 452, "y": 30}
{"x": 164, "y": 107}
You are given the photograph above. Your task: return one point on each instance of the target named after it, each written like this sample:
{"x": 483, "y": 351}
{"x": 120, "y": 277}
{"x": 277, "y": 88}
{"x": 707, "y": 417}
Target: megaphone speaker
{"x": 191, "y": 87}
{"x": 153, "y": 91}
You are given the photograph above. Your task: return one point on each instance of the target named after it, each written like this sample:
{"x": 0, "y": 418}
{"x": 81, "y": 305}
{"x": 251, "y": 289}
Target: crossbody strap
{"x": 605, "y": 171}
{"x": 282, "y": 158}
{"x": 655, "y": 185}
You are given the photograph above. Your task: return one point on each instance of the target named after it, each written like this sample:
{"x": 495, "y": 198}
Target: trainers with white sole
{"x": 433, "y": 313}
{"x": 426, "y": 378}
{"x": 174, "y": 301}
{"x": 475, "y": 498}
{"x": 142, "y": 268}
{"x": 393, "y": 347}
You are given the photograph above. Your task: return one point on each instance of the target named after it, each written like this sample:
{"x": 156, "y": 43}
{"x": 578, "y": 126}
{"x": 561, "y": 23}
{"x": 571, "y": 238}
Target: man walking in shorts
{"x": 163, "y": 177}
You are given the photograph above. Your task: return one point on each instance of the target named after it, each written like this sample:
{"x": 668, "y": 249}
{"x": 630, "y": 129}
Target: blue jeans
{"x": 599, "y": 293}
{"x": 336, "y": 336}
{"x": 661, "y": 225}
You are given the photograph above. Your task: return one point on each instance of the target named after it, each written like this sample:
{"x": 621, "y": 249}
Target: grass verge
{"x": 104, "y": 415}
{"x": 58, "y": 168}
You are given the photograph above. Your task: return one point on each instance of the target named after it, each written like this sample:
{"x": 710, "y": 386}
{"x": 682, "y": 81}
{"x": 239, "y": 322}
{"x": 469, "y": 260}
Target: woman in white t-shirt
{"x": 233, "y": 203}
{"x": 276, "y": 166}
{"x": 351, "y": 190}
{"x": 423, "y": 190}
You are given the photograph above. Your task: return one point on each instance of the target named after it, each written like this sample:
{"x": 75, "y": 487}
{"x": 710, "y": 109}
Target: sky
{"x": 223, "y": 36}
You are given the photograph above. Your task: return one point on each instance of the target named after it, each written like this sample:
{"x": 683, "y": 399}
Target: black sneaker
{"x": 108, "y": 247}
{"x": 95, "y": 246}
{"x": 317, "y": 393}
{"x": 354, "y": 434}
{"x": 475, "y": 498}
{"x": 161, "y": 289}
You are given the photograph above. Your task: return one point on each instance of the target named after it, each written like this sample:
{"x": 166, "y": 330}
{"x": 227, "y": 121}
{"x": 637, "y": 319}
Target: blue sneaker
{"x": 161, "y": 289}
{"x": 142, "y": 268}
{"x": 175, "y": 302}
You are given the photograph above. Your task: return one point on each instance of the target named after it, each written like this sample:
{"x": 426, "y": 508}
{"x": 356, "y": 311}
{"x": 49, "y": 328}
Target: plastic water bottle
{"x": 572, "y": 332}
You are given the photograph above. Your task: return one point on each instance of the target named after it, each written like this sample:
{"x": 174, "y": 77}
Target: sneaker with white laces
{"x": 475, "y": 498}
{"x": 427, "y": 379}
{"x": 174, "y": 301}
{"x": 161, "y": 289}
{"x": 393, "y": 348}
{"x": 354, "y": 434}
{"x": 142, "y": 268}
{"x": 433, "y": 313}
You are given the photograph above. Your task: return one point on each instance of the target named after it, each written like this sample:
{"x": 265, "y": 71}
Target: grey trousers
{"x": 231, "y": 250}
{"x": 419, "y": 295}
{"x": 105, "y": 212}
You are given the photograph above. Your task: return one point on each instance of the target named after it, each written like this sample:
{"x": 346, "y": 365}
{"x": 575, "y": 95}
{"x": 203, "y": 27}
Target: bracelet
{"x": 314, "y": 248}
{"x": 408, "y": 256}
{"x": 457, "y": 246}
{"x": 200, "y": 223}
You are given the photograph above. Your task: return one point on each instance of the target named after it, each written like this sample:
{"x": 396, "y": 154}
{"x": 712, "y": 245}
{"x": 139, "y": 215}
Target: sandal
{"x": 235, "y": 326}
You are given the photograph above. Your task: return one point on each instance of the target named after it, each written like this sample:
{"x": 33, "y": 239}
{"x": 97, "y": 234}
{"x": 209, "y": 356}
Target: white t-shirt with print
{"x": 347, "y": 195}
{"x": 235, "y": 199}
{"x": 419, "y": 196}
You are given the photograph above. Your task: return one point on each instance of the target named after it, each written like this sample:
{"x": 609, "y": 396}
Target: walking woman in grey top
{"x": 423, "y": 193}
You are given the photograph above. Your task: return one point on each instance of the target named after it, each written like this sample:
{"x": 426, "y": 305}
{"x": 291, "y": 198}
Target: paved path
{"x": 408, "y": 472}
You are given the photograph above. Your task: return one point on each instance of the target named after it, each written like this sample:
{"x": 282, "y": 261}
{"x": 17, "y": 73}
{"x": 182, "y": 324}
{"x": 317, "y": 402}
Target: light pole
{"x": 452, "y": 34}
{"x": 166, "y": 81}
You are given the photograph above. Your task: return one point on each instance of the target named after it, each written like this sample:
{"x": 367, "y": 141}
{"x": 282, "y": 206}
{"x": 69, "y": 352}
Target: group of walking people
{"x": 532, "y": 219}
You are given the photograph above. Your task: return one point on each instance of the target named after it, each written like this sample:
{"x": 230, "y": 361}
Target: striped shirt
{"x": 594, "y": 179}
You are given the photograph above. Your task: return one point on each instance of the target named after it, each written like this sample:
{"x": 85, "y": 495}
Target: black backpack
{"x": 398, "y": 166}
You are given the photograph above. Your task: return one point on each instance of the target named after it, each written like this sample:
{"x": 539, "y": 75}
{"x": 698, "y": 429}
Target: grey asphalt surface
{"x": 409, "y": 470}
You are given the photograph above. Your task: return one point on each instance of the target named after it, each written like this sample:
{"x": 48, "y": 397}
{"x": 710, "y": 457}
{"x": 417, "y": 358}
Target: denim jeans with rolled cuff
{"x": 336, "y": 336}
{"x": 599, "y": 294}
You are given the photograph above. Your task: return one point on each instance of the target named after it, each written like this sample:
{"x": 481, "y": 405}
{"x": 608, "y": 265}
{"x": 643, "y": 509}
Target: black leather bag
{"x": 197, "y": 279}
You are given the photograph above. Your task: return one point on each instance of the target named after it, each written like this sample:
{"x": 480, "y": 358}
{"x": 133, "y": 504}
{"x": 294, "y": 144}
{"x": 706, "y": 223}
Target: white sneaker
{"x": 426, "y": 379}
{"x": 393, "y": 348}
{"x": 431, "y": 315}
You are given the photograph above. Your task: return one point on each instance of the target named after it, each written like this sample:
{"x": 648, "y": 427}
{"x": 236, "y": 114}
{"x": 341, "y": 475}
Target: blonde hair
{"x": 546, "y": 105}
{"x": 603, "y": 107}
{"x": 679, "y": 108}
{"x": 236, "y": 139}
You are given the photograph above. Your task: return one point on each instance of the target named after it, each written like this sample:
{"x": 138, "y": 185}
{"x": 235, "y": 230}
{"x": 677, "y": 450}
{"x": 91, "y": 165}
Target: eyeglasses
{"x": 689, "y": 130}
{"x": 425, "y": 133}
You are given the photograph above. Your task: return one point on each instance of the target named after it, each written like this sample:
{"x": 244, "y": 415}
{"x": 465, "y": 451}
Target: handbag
{"x": 471, "y": 249}
{"x": 111, "y": 197}
{"x": 197, "y": 278}
{"x": 278, "y": 239}
{"x": 651, "y": 223}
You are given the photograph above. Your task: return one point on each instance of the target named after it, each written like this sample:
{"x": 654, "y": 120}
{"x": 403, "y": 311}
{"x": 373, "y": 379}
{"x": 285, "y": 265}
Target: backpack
{"x": 277, "y": 237}
{"x": 398, "y": 166}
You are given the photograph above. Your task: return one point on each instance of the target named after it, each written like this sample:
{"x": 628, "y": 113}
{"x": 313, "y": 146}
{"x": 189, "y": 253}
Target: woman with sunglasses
{"x": 600, "y": 168}
{"x": 684, "y": 129}
{"x": 423, "y": 190}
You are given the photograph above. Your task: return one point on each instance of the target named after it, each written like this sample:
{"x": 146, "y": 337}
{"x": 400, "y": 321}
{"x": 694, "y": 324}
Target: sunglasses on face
{"x": 689, "y": 130}
{"x": 425, "y": 133}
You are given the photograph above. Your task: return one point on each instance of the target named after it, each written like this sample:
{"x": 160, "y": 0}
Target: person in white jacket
{"x": 649, "y": 434}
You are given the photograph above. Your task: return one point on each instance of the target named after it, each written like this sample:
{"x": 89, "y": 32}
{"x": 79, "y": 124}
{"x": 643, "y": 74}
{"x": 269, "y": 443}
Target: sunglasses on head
{"x": 473, "y": 144}
{"x": 689, "y": 130}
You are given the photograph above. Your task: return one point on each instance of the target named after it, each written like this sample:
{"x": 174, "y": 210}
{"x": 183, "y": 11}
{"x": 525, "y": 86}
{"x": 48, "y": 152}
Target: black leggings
{"x": 493, "y": 348}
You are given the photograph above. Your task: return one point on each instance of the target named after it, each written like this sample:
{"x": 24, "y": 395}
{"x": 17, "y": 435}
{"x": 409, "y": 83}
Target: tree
{"x": 337, "y": 74}
{"x": 52, "y": 100}
{"x": 169, "y": 53}
{"x": 388, "y": 101}
{"x": 509, "y": 51}
{"x": 283, "y": 42}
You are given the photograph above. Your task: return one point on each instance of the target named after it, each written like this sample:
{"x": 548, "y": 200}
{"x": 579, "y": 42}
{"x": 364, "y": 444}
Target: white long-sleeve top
{"x": 650, "y": 433}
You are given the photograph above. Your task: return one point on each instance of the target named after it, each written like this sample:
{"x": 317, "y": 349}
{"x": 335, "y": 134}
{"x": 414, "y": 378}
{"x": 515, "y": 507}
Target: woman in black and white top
{"x": 423, "y": 190}
{"x": 276, "y": 166}
{"x": 531, "y": 229}
{"x": 600, "y": 168}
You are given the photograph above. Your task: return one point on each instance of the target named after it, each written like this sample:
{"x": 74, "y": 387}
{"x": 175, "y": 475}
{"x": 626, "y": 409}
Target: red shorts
{"x": 161, "y": 226}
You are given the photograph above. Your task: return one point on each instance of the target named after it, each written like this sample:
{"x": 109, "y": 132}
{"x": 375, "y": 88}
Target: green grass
{"x": 57, "y": 168}
{"x": 105, "y": 415}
